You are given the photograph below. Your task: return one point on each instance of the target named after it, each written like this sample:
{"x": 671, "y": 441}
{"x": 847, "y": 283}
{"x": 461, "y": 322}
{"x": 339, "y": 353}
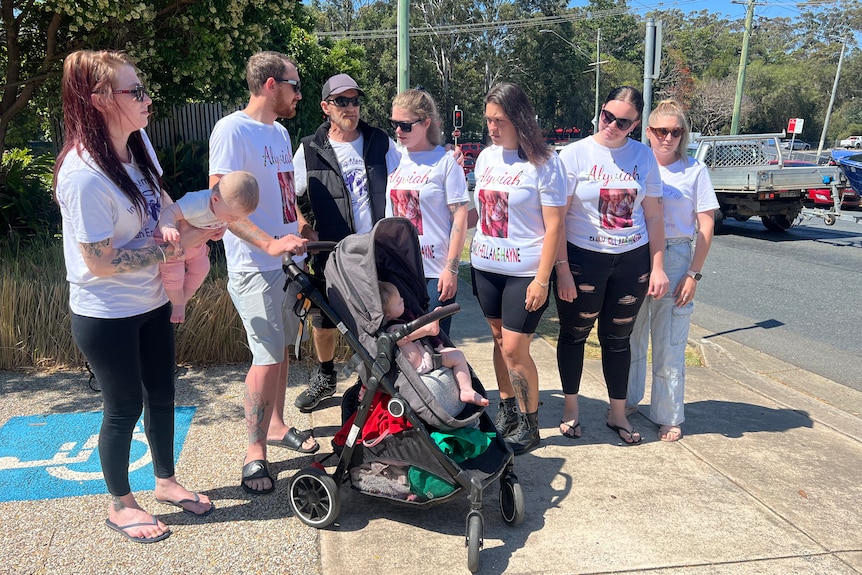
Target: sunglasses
{"x": 295, "y": 84}
{"x": 663, "y": 132}
{"x": 139, "y": 92}
{"x": 622, "y": 123}
{"x": 406, "y": 127}
{"x": 343, "y": 101}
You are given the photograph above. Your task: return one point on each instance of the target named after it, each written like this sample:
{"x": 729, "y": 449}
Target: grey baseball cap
{"x": 339, "y": 84}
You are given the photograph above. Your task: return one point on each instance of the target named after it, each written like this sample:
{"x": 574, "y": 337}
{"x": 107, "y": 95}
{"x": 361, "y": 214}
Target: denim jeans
{"x": 668, "y": 326}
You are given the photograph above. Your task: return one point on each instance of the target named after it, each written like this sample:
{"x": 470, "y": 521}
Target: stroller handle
{"x": 423, "y": 320}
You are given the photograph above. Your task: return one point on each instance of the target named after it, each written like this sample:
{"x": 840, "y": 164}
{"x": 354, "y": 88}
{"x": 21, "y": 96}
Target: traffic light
{"x": 458, "y": 118}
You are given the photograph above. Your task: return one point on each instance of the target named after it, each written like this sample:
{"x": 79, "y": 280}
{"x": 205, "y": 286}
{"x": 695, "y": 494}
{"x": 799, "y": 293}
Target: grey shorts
{"x": 266, "y": 312}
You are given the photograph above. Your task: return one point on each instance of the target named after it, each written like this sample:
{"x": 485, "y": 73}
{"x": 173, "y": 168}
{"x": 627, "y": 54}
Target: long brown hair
{"x": 531, "y": 144}
{"x": 87, "y": 72}
{"x": 421, "y": 103}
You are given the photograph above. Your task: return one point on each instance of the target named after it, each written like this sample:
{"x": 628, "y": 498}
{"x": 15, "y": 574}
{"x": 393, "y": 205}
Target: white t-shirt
{"x": 421, "y": 189}
{"x": 352, "y": 165}
{"x": 198, "y": 212}
{"x": 509, "y": 195}
{"x": 687, "y": 191}
{"x": 238, "y": 142}
{"x": 609, "y": 185}
{"x": 95, "y": 209}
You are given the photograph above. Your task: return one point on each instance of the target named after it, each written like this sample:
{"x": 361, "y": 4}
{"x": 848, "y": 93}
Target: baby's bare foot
{"x": 470, "y": 396}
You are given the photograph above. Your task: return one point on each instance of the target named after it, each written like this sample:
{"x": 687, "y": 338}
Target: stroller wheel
{"x": 475, "y": 528}
{"x": 314, "y": 497}
{"x": 511, "y": 500}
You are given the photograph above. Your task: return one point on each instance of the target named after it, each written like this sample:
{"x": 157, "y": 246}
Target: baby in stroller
{"x": 417, "y": 354}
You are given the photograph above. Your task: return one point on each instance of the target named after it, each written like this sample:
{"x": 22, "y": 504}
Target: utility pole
{"x": 403, "y": 44}
{"x": 598, "y": 62}
{"x": 652, "y": 63}
{"x": 832, "y": 99}
{"x": 743, "y": 62}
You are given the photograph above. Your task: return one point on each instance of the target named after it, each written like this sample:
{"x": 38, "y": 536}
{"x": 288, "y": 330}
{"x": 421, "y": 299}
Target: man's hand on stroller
{"x": 288, "y": 244}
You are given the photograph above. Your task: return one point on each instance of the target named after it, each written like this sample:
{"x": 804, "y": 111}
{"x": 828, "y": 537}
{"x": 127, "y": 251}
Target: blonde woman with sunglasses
{"x": 689, "y": 207}
{"x": 429, "y": 188}
{"x": 612, "y": 259}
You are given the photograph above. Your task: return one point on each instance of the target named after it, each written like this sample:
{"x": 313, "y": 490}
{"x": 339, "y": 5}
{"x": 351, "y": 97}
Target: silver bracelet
{"x": 542, "y": 285}
{"x": 164, "y": 257}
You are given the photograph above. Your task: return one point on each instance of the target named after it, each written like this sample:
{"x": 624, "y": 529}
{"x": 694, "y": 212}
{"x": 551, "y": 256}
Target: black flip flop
{"x": 257, "y": 469}
{"x": 570, "y": 433}
{"x": 294, "y": 439}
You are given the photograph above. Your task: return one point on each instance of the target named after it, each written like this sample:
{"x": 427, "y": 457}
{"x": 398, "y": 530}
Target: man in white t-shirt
{"x": 253, "y": 141}
{"x": 342, "y": 169}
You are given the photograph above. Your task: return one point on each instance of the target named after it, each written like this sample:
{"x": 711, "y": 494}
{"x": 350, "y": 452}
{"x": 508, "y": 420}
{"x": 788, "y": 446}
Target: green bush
{"x": 27, "y": 207}
{"x": 186, "y": 167}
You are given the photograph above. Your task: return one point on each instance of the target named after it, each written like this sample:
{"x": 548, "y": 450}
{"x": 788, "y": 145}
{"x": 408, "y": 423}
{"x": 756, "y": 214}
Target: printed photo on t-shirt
{"x": 494, "y": 213}
{"x": 615, "y": 207}
{"x": 288, "y": 196}
{"x": 405, "y": 204}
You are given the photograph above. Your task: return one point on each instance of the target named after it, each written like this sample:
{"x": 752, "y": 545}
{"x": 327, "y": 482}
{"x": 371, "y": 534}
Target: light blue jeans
{"x": 668, "y": 326}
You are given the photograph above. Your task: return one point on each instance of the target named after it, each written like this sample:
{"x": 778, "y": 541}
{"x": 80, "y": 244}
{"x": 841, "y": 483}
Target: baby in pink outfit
{"x": 418, "y": 356}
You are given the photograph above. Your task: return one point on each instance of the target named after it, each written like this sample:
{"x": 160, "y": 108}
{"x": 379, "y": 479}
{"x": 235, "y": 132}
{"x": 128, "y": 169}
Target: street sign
{"x": 456, "y": 133}
{"x": 794, "y": 125}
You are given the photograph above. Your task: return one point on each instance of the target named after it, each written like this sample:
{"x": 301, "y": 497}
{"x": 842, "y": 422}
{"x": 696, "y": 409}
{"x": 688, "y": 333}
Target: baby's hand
{"x": 171, "y": 235}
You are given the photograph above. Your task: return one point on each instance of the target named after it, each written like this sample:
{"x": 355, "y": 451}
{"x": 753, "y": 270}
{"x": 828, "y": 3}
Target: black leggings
{"x": 611, "y": 287}
{"x": 133, "y": 361}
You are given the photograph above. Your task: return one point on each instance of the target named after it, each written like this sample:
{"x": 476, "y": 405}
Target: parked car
{"x": 851, "y": 142}
{"x": 471, "y": 180}
{"x": 469, "y": 164}
{"x": 471, "y": 149}
{"x": 797, "y": 145}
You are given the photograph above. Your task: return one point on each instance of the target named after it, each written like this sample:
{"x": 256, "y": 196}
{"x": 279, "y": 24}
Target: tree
{"x": 188, "y": 50}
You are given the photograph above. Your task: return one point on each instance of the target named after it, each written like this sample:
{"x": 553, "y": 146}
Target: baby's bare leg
{"x": 455, "y": 360}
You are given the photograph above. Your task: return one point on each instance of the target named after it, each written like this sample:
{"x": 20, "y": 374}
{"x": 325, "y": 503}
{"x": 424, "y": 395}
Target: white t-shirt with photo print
{"x": 509, "y": 195}
{"x": 421, "y": 189}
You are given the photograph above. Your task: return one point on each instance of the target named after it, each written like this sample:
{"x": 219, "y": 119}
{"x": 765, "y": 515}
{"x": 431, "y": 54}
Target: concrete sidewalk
{"x": 765, "y": 481}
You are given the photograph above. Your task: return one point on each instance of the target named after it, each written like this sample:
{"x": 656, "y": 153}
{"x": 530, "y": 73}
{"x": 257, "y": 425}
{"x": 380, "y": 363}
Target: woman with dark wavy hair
{"x": 107, "y": 183}
{"x": 520, "y": 194}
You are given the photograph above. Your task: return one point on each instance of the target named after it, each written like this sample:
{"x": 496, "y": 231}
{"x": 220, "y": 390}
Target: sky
{"x": 733, "y": 10}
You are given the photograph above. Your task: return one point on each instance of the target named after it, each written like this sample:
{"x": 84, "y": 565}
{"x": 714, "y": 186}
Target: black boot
{"x": 507, "y": 416}
{"x": 526, "y": 436}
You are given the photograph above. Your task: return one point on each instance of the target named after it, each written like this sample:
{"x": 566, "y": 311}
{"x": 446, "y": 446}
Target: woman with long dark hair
{"x": 613, "y": 254}
{"x": 520, "y": 195}
{"x": 107, "y": 183}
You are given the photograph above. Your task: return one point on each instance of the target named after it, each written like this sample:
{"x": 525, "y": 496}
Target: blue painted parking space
{"x": 57, "y": 455}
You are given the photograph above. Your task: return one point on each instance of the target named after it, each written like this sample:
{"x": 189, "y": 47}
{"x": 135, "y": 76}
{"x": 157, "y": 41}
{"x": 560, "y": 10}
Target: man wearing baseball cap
{"x": 343, "y": 168}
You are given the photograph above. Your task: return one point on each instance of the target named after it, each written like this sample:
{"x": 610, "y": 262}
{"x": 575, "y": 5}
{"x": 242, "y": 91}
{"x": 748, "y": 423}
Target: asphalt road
{"x": 795, "y": 295}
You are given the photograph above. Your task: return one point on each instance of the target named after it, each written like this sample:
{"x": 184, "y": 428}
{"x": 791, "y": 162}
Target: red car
{"x": 471, "y": 149}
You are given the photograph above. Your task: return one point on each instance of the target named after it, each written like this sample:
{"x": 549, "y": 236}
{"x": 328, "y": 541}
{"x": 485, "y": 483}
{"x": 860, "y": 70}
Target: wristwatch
{"x": 694, "y": 275}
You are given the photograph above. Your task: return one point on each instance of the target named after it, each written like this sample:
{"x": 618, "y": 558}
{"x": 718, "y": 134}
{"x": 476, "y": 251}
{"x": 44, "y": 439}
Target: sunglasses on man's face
{"x": 622, "y": 123}
{"x": 663, "y": 132}
{"x": 405, "y": 127}
{"x": 295, "y": 84}
{"x": 139, "y": 92}
{"x": 343, "y": 101}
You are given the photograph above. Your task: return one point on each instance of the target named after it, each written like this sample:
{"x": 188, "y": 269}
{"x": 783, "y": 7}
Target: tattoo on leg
{"x": 519, "y": 382}
{"x": 255, "y": 410}
{"x": 118, "y": 505}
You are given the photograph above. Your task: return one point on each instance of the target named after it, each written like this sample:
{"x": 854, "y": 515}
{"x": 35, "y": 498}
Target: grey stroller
{"x": 396, "y": 394}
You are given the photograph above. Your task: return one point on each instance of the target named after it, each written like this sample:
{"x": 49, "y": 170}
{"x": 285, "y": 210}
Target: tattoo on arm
{"x": 246, "y": 230}
{"x": 124, "y": 260}
{"x": 255, "y": 409}
{"x": 519, "y": 382}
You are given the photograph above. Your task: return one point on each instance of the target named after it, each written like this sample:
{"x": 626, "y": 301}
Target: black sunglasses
{"x": 139, "y": 91}
{"x": 405, "y": 126}
{"x": 295, "y": 84}
{"x": 343, "y": 101}
{"x": 663, "y": 132}
{"x": 622, "y": 123}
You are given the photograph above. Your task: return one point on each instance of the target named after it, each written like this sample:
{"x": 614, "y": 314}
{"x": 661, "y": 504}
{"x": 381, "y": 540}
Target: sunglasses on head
{"x": 622, "y": 123}
{"x": 139, "y": 92}
{"x": 663, "y": 132}
{"x": 343, "y": 101}
{"x": 295, "y": 84}
{"x": 405, "y": 126}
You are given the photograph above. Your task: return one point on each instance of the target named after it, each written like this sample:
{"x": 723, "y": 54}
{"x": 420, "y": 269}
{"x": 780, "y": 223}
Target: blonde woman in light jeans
{"x": 689, "y": 206}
